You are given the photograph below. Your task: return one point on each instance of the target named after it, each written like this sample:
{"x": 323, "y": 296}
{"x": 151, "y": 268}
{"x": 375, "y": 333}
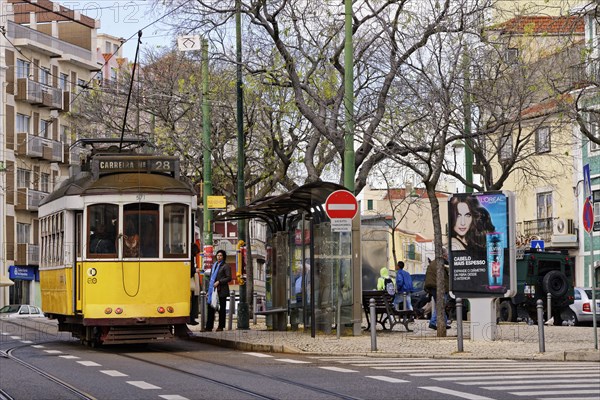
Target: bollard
{"x": 202, "y": 310}
{"x": 404, "y": 307}
{"x": 540, "y": 316}
{"x": 231, "y": 310}
{"x": 459, "y": 327}
{"x": 373, "y": 325}
{"x": 549, "y": 309}
{"x": 254, "y": 308}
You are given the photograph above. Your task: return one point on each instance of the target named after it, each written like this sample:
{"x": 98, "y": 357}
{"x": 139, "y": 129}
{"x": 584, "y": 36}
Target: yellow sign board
{"x": 216, "y": 202}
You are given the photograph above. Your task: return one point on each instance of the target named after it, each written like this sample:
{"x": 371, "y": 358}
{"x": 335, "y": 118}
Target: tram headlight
{"x": 107, "y": 310}
{"x": 118, "y": 310}
{"x": 161, "y": 310}
{"x": 170, "y": 309}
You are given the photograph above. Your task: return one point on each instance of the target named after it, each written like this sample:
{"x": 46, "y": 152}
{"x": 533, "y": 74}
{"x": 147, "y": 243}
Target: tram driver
{"x": 100, "y": 242}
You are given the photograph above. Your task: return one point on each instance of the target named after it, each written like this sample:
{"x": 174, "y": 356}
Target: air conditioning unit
{"x": 559, "y": 226}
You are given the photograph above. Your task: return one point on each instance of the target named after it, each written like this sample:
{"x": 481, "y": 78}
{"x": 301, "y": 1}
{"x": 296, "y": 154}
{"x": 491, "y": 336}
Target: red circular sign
{"x": 341, "y": 204}
{"x": 588, "y": 215}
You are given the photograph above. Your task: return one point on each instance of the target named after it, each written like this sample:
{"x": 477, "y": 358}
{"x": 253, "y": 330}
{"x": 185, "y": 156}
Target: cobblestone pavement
{"x": 515, "y": 341}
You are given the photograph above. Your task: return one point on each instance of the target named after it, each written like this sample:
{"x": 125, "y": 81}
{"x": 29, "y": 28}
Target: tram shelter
{"x": 313, "y": 275}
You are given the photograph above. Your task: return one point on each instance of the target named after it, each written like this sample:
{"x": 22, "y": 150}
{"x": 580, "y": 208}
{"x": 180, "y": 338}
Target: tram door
{"x": 78, "y": 275}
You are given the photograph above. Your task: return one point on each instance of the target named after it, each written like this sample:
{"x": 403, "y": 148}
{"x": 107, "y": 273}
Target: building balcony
{"x": 29, "y": 145}
{"x": 29, "y": 199}
{"x": 27, "y": 254}
{"x": 53, "y": 151}
{"x": 555, "y": 232}
{"x": 52, "y": 97}
{"x": 29, "y": 91}
{"x": 71, "y": 155}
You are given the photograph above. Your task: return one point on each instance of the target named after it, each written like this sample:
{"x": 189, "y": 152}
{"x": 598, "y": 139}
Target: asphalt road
{"x": 43, "y": 366}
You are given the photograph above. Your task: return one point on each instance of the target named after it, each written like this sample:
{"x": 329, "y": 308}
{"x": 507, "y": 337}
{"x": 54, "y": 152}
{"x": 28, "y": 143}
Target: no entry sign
{"x": 341, "y": 204}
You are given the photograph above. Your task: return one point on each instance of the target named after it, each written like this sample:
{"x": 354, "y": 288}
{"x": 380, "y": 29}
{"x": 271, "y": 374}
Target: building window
{"x": 505, "y": 148}
{"x": 107, "y": 47}
{"x": 542, "y": 140}
{"x": 511, "y": 56}
{"x": 23, "y": 69}
{"x": 595, "y": 131}
{"x": 369, "y": 204}
{"x": 63, "y": 82}
{"x": 22, "y": 123}
{"x": 544, "y": 205}
{"x": 45, "y": 182}
{"x": 45, "y": 76}
{"x": 23, "y": 233}
{"x": 113, "y": 74}
{"x": 23, "y": 178}
{"x": 45, "y": 129}
{"x": 81, "y": 85}
{"x": 596, "y": 204}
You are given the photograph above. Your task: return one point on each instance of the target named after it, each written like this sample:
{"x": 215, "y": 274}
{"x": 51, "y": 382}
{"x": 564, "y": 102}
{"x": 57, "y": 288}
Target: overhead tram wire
{"x": 137, "y": 50}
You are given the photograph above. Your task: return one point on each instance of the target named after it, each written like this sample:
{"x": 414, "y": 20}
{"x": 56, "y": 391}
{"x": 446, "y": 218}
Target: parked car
{"x": 20, "y": 311}
{"x": 581, "y": 309}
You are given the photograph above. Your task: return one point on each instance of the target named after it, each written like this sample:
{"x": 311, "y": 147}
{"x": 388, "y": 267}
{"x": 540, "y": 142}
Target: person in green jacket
{"x": 384, "y": 279}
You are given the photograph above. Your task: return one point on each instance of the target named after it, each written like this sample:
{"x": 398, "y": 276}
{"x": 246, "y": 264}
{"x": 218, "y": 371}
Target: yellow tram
{"x": 116, "y": 247}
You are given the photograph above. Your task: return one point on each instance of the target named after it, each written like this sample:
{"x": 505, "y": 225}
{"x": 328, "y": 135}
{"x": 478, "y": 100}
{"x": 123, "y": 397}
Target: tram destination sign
{"x": 107, "y": 164}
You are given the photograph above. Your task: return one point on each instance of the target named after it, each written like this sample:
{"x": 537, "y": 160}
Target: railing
{"x": 52, "y": 97}
{"x": 23, "y": 32}
{"x": 29, "y": 91}
{"x": 28, "y": 254}
{"x": 29, "y": 145}
{"x": 539, "y": 228}
{"x": 53, "y": 150}
{"x": 29, "y": 199}
{"x": 71, "y": 155}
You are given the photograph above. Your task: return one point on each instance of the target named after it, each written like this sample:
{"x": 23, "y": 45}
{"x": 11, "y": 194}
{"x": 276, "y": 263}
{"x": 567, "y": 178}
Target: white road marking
{"x": 541, "y": 387}
{"x": 53, "y": 351}
{"x": 26, "y": 341}
{"x": 112, "y": 372}
{"x": 5, "y": 333}
{"x": 387, "y": 379}
{"x": 38, "y": 346}
{"x": 143, "y": 385}
{"x": 516, "y": 382}
{"x": 463, "y": 395}
{"x": 553, "y": 392}
{"x": 460, "y": 374}
{"x": 337, "y": 369}
{"x": 289, "y": 360}
{"x": 569, "y": 398}
{"x": 69, "y": 357}
{"x": 15, "y": 337}
{"x": 172, "y": 397}
{"x": 89, "y": 363}
{"x": 258, "y": 355}
{"x": 492, "y": 376}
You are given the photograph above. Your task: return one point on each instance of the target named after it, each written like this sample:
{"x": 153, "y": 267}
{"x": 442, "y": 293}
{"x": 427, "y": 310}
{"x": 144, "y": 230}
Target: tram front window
{"x": 140, "y": 230}
{"x": 175, "y": 235}
{"x": 102, "y": 223}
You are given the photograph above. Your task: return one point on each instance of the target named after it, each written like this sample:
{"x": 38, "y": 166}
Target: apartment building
{"x": 48, "y": 57}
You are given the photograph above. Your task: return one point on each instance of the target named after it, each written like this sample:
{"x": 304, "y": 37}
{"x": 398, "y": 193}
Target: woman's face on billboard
{"x": 464, "y": 218}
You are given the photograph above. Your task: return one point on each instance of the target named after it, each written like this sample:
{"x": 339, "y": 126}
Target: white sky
{"x": 124, "y": 18}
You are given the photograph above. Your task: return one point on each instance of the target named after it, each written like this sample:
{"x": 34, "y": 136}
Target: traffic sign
{"x": 188, "y": 43}
{"x": 537, "y": 245}
{"x": 341, "y": 204}
{"x": 588, "y": 215}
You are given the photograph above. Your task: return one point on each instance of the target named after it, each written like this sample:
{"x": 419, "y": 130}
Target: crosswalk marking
{"x": 556, "y": 392}
{"x": 112, "y": 372}
{"x": 532, "y": 387}
{"x": 517, "y": 381}
{"x": 53, "y": 351}
{"x": 338, "y": 369}
{"x": 492, "y": 376}
{"x": 89, "y": 363}
{"x": 172, "y": 397}
{"x": 386, "y": 379}
{"x": 289, "y": 360}
{"x": 462, "y": 374}
{"x": 456, "y": 393}
{"x": 143, "y": 385}
{"x": 69, "y": 357}
{"x": 258, "y": 354}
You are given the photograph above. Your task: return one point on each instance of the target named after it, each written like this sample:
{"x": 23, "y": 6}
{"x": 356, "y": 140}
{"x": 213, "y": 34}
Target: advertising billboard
{"x": 481, "y": 244}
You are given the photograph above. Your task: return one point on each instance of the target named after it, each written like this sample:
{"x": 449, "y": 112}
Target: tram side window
{"x": 175, "y": 230}
{"x": 140, "y": 230}
{"x": 102, "y": 222}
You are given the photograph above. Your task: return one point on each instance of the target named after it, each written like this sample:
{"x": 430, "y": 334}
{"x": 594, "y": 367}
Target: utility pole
{"x": 243, "y": 320}
{"x": 207, "y": 149}
{"x": 467, "y": 123}
{"x": 349, "y": 157}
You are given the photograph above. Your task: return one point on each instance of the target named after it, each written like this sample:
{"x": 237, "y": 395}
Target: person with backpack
{"x": 386, "y": 282}
{"x": 403, "y": 285}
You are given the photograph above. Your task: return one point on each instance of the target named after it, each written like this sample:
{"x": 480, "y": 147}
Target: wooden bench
{"x": 385, "y": 313}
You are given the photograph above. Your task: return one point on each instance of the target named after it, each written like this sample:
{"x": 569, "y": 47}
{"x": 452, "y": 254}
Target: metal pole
{"x": 540, "y": 317}
{"x": 349, "y": 156}
{"x": 202, "y": 310}
{"x": 373, "y": 319}
{"x": 467, "y": 123}
{"x": 231, "y": 310}
{"x": 594, "y": 287}
{"x": 459, "y": 327}
{"x": 549, "y": 307}
{"x": 207, "y": 149}
{"x": 254, "y": 308}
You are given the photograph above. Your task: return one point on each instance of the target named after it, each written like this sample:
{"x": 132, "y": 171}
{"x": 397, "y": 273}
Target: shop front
{"x": 24, "y": 278}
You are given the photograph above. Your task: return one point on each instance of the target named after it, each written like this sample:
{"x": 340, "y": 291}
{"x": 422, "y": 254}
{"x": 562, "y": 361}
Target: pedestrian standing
{"x": 431, "y": 287}
{"x": 404, "y": 286}
{"x": 220, "y": 276}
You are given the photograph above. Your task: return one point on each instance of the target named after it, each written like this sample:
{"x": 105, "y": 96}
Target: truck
{"x": 540, "y": 273}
